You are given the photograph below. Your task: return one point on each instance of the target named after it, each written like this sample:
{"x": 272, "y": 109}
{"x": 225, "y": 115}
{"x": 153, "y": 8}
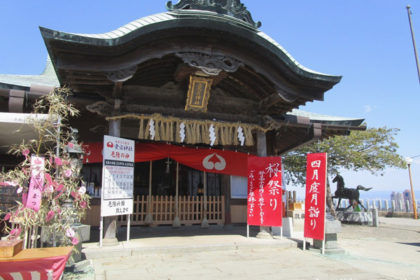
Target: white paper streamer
{"x": 212, "y": 135}
{"x": 152, "y": 129}
{"x": 182, "y": 132}
{"x": 241, "y": 135}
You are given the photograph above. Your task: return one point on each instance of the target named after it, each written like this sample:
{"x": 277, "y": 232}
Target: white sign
{"x": 117, "y": 177}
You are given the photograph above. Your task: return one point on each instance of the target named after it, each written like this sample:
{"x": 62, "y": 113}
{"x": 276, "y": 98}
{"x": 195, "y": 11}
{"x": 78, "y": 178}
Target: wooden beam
{"x": 171, "y": 96}
{"x": 181, "y": 113}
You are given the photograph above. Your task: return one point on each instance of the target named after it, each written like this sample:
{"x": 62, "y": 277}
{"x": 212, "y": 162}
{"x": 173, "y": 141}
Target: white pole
{"x": 247, "y": 231}
{"x": 281, "y": 232}
{"x": 304, "y": 244}
{"x": 177, "y": 222}
{"x": 149, "y": 216}
{"x": 204, "y": 222}
{"x": 128, "y": 227}
{"x": 101, "y": 231}
{"x": 325, "y": 208}
{"x": 177, "y": 191}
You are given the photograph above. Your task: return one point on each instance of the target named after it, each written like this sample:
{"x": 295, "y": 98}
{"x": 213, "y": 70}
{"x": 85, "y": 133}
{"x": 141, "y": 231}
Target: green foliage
{"x": 373, "y": 150}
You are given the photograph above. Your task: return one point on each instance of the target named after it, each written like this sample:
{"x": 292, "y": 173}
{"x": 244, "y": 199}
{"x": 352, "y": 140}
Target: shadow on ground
{"x": 184, "y": 231}
{"x": 410, "y": 244}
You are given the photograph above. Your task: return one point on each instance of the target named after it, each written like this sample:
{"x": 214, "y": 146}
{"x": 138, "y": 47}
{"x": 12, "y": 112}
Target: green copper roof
{"x": 130, "y": 27}
{"x": 47, "y": 78}
{"x": 319, "y": 118}
{"x": 188, "y": 18}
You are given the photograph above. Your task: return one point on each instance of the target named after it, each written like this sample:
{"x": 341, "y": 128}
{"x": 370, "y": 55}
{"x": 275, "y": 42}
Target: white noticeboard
{"x": 117, "y": 177}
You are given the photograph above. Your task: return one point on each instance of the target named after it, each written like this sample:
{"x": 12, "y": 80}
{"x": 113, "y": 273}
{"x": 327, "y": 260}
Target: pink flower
{"x": 48, "y": 178}
{"x": 83, "y": 204}
{"x": 50, "y": 215}
{"x": 82, "y": 190}
{"x": 58, "y": 161}
{"x": 74, "y": 241}
{"x": 59, "y": 187}
{"x": 74, "y": 194}
{"x": 70, "y": 145}
{"x": 14, "y": 233}
{"x": 19, "y": 190}
{"x": 7, "y": 217}
{"x": 68, "y": 173}
{"x": 25, "y": 152}
{"x": 24, "y": 198}
{"x": 70, "y": 233}
{"x": 49, "y": 189}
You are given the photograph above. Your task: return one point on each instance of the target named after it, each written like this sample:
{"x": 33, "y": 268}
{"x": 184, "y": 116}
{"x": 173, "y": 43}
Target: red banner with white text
{"x": 316, "y": 179}
{"x": 209, "y": 160}
{"x": 264, "y": 191}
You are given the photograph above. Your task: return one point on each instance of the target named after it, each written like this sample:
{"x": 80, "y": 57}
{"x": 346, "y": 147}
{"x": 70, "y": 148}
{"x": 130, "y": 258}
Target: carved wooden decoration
{"x": 211, "y": 65}
{"x": 233, "y": 8}
{"x": 198, "y": 94}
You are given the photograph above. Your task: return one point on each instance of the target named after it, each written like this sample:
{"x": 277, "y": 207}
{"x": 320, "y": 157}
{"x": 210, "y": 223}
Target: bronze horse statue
{"x": 347, "y": 193}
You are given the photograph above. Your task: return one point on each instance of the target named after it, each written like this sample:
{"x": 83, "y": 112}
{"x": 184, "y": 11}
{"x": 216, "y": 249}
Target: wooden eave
{"x": 268, "y": 77}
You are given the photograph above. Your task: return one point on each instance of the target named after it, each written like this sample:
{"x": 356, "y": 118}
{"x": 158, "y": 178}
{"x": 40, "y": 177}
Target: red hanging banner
{"x": 316, "y": 179}
{"x": 264, "y": 191}
{"x": 209, "y": 160}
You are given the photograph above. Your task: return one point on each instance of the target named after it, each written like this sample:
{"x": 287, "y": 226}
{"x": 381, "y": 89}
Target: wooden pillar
{"x": 262, "y": 152}
{"x": 177, "y": 222}
{"x": 205, "y": 222}
{"x": 149, "y": 216}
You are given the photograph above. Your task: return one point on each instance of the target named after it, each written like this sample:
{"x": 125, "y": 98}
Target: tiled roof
{"x": 47, "y": 78}
{"x": 115, "y": 36}
{"x": 130, "y": 27}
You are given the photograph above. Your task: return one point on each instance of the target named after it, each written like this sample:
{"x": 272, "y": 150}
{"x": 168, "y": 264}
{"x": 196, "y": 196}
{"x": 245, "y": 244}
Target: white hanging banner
{"x": 117, "y": 177}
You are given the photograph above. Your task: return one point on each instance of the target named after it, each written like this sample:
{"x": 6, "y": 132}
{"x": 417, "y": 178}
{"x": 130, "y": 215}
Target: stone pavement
{"x": 391, "y": 251}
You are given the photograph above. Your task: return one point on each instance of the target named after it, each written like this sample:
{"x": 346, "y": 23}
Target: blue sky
{"x": 366, "y": 42}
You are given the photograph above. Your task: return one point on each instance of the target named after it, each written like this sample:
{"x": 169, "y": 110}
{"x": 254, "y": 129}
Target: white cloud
{"x": 368, "y": 108}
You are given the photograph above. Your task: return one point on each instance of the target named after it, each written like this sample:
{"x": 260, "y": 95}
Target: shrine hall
{"x": 199, "y": 88}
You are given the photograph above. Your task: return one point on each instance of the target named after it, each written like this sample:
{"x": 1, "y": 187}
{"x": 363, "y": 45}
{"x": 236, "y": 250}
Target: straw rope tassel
{"x": 189, "y": 137}
{"x": 196, "y": 131}
{"x": 157, "y": 129}
{"x": 206, "y": 133}
{"x": 141, "y": 129}
{"x": 171, "y": 131}
{"x": 249, "y": 139}
{"x": 164, "y": 134}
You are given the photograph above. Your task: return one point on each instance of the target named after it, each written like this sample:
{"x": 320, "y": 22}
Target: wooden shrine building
{"x": 199, "y": 77}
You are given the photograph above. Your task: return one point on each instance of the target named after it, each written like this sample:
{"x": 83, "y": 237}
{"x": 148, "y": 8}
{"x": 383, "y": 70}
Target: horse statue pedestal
{"x": 332, "y": 227}
{"x": 362, "y": 218}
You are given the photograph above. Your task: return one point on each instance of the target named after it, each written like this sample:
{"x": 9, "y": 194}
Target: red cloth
{"x": 36, "y": 262}
{"x": 209, "y": 160}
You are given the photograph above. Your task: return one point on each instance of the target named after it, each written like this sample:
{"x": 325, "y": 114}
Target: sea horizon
{"x": 371, "y": 195}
